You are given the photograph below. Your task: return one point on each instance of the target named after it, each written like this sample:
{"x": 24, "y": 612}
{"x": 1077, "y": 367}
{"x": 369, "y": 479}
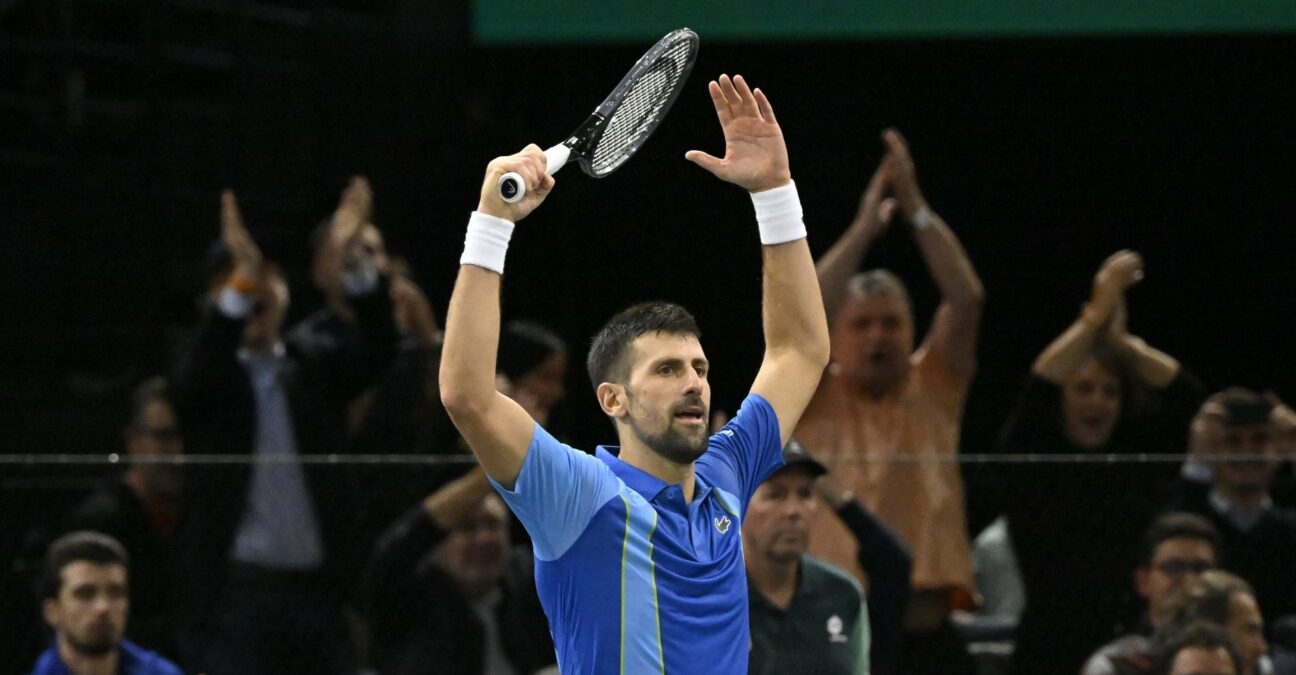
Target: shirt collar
{"x": 646, "y": 484}
{"x": 639, "y": 480}
{"x": 1242, "y": 518}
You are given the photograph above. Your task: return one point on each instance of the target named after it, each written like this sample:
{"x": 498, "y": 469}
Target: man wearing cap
{"x": 807, "y": 615}
{"x": 1232, "y": 438}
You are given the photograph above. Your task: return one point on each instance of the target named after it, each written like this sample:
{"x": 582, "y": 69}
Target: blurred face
{"x": 1091, "y": 401}
{"x": 1246, "y": 628}
{"x": 474, "y": 554}
{"x": 1174, "y": 562}
{"x": 872, "y": 339}
{"x": 1247, "y": 477}
{"x": 667, "y": 395}
{"x": 544, "y": 386}
{"x": 157, "y": 434}
{"x": 777, "y": 523}
{"x": 89, "y": 614}
{"x": 262, "y": 329}
{"x": 368, "y": 244}
{"x": 1202, "y": 661}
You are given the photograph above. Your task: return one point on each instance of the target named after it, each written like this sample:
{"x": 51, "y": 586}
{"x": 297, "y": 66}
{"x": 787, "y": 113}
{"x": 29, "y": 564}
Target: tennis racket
{"x": 626, "y": 118}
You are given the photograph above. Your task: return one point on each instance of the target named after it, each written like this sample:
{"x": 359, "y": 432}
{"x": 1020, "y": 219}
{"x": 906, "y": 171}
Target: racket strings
{"x": 641, "y": 109}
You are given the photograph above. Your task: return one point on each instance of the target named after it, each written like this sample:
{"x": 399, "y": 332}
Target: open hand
{"x": 904, "y": 177}
{"x": 755, "y": 155}
{"x": 1119, "y": 271}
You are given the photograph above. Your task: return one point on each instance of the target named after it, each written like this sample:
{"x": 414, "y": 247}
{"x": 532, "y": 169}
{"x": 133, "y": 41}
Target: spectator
{"x": 807, "y": 615}
{"x": 139, "y": 509}
{"x": 1176, "y": 548}
{"x": 264, "y": 547}
{"x": 449, "y": 594}
{"x": 1258, "y": 538}
{"x": 337, "y": 243}
{"x": 880, "y": 399}
{"x": 86, "y": 602}
{"x": 1081, "y": 398}
{"x": 533, "y": 359}
{"x": 1225, "y": 600}
{"x": 1202, "y": 649}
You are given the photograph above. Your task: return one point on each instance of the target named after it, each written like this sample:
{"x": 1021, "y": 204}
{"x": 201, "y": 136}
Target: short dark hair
{"x": 608, "y": 359}
{"x": 1202, "y": 635}
{"x": 79, "y": 546}
{"x": 146, "y": 392}
{"x": 523, "y": 346}
{"x": 877, "y": 282}
{"x": 1176, "y": 525}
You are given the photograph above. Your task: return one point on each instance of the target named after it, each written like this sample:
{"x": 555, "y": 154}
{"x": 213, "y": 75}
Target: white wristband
{"x": 778, "y": 215}
{"x": 923, "y": 218}
{"x": 486, "y": 242}
{"x": 235, "y": 305}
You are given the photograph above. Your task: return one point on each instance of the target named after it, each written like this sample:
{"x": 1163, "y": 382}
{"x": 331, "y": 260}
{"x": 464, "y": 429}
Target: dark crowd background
{"x": 120, "y": 122}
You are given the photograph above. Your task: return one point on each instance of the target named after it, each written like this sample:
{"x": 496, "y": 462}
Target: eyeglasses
{"x": 1177, "y": 567}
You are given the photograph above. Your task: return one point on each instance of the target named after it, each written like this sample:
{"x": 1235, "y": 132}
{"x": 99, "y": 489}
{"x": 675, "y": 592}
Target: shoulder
{"x": 139, "y": 661}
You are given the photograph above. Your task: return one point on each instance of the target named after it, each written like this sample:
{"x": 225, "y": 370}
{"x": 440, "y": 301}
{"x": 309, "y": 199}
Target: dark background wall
{"x": 122, "y": 121}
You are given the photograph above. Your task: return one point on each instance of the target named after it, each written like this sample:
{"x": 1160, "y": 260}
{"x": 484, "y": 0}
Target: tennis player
{"x": 638, "y": 556}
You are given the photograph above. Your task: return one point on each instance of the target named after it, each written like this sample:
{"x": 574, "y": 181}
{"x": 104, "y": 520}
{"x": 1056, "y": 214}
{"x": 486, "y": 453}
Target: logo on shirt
{"x": 722, "y": 524}
{"x": 835, "y": 629}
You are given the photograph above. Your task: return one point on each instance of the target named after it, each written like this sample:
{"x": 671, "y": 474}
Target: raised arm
{"x": 1148, "y": 364}
{"x": 796, "y": 329}
{"x": 835, "y": 267}
{"x": 497, "y": 429}
{"x": 1065, "y": 354}
{"x": 953, "y": 332}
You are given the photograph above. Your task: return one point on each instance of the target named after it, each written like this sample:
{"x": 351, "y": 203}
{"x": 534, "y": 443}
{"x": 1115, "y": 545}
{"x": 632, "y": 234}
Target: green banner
{"x": 578, "y": 21}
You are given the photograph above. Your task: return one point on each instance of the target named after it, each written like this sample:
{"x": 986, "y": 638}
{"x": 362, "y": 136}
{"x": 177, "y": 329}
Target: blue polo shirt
{"x": 131, "y": 660}
{"x": 633, "y": 579}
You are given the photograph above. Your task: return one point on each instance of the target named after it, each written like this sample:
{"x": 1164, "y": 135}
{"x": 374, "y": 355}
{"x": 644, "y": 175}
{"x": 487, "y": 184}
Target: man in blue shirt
{"x": 638, "y": 554}
{"x": 86, "y": 603}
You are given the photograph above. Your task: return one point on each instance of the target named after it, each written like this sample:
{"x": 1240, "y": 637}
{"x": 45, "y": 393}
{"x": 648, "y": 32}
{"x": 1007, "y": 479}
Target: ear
{"x": 1141, "y": 581}
{"x": 612, "y": 399}
{"x": 50, "y": 609}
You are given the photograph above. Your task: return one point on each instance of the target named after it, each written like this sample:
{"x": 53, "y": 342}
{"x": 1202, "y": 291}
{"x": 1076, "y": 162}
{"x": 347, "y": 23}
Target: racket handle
{"x": 511, "y": 186}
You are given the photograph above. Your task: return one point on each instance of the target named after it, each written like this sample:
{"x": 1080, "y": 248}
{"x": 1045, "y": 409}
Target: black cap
{"x": 796, "y": 456}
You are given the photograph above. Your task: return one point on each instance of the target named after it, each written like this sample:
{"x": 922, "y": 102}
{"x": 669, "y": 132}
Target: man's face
{"x": 474, "y": 554}
{"x": 157, "y": 434}
{"x": 89, "y": 614}
{"x": 543, "y": 387}
{"x": 872, "y": 339}
{"x": 777, "y": 523}
{"x": 1202, "y": 661}
{"x": 1243, "y": 476}
{"x": 271, "y": 297}
{"x": 1174, "y": 562}
{"x": 668, "y": 396}
{"x": 1246, "y": 627}
{"x": 1091, "y": 401}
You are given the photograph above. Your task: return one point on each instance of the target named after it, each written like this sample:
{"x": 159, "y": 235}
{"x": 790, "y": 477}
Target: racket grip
{"x": 511, "y": 186}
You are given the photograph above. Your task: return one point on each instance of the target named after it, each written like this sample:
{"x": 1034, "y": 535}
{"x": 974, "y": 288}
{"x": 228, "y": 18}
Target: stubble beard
{"x": 671, "y": 444}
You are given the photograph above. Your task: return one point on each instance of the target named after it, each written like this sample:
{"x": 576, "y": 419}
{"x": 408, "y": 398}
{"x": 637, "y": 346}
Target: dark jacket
{"x": 1075, "y": 527}
{"x": 215, "y": 402}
